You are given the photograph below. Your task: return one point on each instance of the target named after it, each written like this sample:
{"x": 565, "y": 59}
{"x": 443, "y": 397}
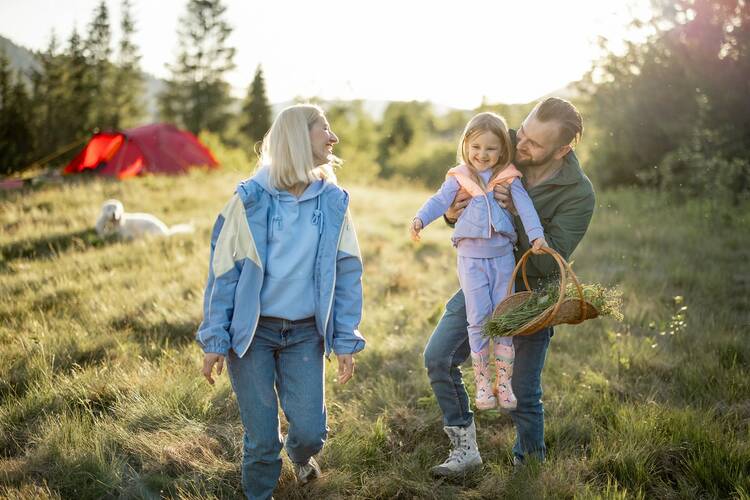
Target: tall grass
{"x": 101, "y": 395}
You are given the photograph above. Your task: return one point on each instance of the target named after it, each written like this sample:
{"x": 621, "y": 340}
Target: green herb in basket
{"x": 607, "y": 301}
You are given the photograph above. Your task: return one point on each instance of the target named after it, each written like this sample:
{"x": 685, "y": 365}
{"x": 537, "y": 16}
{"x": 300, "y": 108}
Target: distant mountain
{"x": 21, "y": 58}
{"x": 569, "y": 92}
{"x": 374, "y": 108}
{"x": 152, "y": 88}
{"x": 25, "y": 61}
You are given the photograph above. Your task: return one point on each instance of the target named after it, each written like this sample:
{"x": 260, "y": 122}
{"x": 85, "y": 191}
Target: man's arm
{"x": 459, "y": 203}
{"x": 563, "y": 233}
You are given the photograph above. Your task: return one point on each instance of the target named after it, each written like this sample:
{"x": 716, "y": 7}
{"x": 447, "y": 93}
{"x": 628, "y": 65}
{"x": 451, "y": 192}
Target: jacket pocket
{"x": 475, "y": 214}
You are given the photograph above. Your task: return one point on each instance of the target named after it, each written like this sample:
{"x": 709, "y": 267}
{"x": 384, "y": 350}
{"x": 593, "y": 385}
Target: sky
{"x": 453, "y": 53}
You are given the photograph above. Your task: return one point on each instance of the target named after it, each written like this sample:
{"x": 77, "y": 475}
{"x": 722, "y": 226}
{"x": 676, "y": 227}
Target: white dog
{"x": 114, "y": 220}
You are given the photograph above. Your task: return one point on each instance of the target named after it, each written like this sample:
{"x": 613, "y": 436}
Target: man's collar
{"x": 569, "y": 173}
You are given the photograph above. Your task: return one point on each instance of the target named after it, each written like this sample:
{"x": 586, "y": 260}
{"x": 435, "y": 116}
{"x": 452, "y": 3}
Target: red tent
{"x": 157, "y": 148}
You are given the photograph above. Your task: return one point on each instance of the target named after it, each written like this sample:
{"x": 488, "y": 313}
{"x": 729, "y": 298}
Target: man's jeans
{"x": 448, "y": 348}
{"x": 284, "y": 359}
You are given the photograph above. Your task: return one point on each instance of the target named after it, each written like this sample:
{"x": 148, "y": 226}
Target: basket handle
{"x": 566, "y": 272}
{"x": 571, "y": 275}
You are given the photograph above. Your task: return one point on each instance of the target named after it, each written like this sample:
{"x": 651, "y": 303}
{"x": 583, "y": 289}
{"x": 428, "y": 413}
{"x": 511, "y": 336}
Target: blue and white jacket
{"x": 231, "y": 304}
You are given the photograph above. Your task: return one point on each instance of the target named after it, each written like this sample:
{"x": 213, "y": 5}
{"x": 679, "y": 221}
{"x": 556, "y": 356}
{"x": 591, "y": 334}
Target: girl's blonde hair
{"x": 287, "y": 149}
{"x": 486, "y": 122}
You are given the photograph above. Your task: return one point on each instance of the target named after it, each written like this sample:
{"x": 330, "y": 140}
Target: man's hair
{"x": 287, "y": 149}
{"x": 564, "y": 113}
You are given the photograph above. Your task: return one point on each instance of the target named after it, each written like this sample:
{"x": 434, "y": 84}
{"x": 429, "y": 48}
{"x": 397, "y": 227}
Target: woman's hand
{"x": 415, "y": 228}
{"x": 346, "y": 367}
{"x": 537, "y": 244}
{"x": 209, "y": 360}
{"x": 459, "y": 203}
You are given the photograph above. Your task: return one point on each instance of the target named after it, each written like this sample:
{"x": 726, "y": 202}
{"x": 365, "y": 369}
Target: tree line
{"x": 669, "y": 113}
{"x": 86, "y": 85}
{"x": 674, "y": 112}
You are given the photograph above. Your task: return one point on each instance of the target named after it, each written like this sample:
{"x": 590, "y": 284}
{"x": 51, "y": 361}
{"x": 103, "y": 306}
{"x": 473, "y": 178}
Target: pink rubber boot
{"x": 504, "y": 356}
{"x": 485, "y": 399}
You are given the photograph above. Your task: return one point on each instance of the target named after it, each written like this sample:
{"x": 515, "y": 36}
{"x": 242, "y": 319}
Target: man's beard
{"x": 530, "y": 162}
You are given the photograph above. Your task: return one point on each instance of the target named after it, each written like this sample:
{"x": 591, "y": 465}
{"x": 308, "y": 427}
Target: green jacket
{"x": 565, "y": 204}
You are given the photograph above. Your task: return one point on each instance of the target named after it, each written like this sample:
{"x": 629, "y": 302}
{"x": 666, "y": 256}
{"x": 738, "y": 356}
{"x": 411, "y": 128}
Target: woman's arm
{"x": 230, "y": 244}
{"x": 347, "y": 299}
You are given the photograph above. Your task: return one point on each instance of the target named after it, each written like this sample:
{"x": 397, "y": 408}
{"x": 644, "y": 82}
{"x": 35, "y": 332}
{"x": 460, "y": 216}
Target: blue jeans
{"x": 448, "y": 348}
{"x": 284, "y": 361}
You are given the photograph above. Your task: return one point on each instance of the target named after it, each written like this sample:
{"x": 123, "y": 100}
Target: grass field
{"x": 101, "y": 395}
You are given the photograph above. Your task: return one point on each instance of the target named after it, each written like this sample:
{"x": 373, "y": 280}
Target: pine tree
{"x": 197, "y": 95}
{"x": 98, "y": 50}
{"x": 6, "y": 153}
{"x": 49, "y": 97}
{"x": 256, "y": 111}
{"x": 5, "y": 83}
{"x": 16, "y": 127}
{"x": 80, "y": 88}
{"x": 128, "y": 109}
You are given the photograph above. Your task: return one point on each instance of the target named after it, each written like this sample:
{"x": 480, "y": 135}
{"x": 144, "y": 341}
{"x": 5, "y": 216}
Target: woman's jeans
{"x": 448, "y": 348}
{"x": 285, "y": 360}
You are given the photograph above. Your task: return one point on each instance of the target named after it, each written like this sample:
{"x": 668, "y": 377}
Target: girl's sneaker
{"x": 504, "y": 356}
{"x": 485, "y": 399}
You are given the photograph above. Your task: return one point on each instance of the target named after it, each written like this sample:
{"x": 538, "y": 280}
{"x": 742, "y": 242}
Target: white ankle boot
{"x": 464, "y": 454}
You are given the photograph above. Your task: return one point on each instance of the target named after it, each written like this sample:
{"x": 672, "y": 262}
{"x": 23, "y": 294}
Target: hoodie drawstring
{"x": 317, "y": 217}
{"x": 275, "y": 218}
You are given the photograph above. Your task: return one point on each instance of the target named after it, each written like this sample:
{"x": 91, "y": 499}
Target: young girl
{"x": 484, "y": 236}
{"x": 284, "y": 289}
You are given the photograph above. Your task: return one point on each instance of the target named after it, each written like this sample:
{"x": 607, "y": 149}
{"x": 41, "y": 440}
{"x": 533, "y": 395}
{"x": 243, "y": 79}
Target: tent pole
{"x": 54, "y": 155}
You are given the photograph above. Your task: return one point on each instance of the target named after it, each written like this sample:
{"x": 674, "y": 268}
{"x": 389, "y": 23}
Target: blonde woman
{"x": 284, "y": 290}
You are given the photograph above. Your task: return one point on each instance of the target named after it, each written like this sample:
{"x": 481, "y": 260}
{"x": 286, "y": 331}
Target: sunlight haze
{"x": 451, "y": 53}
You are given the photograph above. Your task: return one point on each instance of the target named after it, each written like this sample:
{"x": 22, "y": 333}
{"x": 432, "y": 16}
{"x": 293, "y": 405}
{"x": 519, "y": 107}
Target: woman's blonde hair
{"x": 479, "y": 124}
{"x": 287, "y": 149}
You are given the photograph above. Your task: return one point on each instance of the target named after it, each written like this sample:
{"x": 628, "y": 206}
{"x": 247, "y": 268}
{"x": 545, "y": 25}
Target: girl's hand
{"x": 346, "y": 367}
{"x": 416, "y": 227}
{"x": 209, "y": 360}
{"x": 537, "y": 245}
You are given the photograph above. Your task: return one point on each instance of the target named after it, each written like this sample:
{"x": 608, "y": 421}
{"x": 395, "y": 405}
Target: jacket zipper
{"x": 333, "y": 290}
{"x": 489, "y": 217}
{"x": 262, "y": 272}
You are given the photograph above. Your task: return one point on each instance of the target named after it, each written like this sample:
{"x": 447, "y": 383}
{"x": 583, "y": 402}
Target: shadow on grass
{"x": 35, "y": 366}
{"x": 157, "y": 336}
{"x": 50, "y": 246}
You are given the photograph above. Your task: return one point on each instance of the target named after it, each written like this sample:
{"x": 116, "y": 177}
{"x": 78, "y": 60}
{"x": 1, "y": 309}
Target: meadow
{"x": 101, "y": 394}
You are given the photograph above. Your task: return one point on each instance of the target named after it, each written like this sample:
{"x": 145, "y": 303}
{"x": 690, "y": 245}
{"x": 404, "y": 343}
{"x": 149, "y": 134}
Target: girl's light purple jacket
{"x": 484, "y": 229}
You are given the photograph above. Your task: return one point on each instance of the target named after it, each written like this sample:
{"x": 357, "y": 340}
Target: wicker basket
{"x": 565, "y": 310}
